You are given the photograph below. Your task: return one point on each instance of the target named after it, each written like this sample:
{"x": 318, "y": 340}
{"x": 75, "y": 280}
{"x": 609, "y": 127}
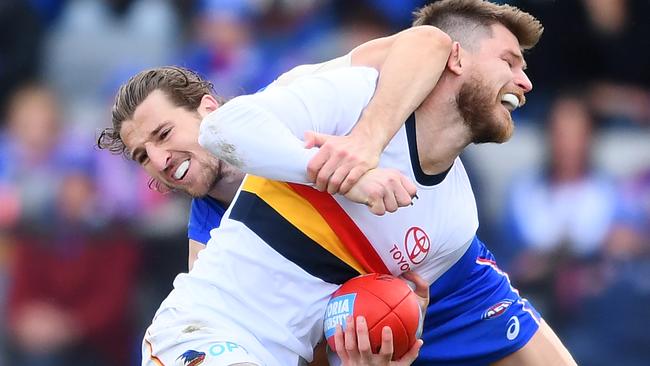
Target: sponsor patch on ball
{"x": 338, "y": 309}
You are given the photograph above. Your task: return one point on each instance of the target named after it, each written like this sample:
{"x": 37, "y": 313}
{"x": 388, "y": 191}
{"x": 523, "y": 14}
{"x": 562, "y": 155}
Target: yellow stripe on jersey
{"x": 301, "y": 214}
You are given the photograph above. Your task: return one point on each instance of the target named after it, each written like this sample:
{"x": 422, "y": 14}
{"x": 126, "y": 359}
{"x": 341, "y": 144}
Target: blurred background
{"x": 88, "y": 251}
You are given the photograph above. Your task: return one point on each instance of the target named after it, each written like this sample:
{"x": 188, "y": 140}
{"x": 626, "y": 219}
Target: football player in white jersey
{"x": 216, "y": 328}
{"x": 484, "y": 81}
{"x": 424, "y": 48}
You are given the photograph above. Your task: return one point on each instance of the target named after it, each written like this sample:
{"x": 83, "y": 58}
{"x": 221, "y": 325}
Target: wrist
{"x": 373, "y": 135}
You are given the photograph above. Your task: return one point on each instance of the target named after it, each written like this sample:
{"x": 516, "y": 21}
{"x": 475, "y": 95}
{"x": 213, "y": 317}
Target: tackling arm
{"x": 261, "y": 134}
{"x": 410, "y": 64}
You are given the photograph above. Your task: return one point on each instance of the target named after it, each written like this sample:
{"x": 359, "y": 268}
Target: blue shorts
{"x": 475, "y": 317}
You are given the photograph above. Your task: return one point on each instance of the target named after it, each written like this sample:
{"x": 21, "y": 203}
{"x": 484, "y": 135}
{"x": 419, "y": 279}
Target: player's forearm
{"x": 254, "y": 141}
{"x": 410, "y": 65}
{"x": 262, "y": 134}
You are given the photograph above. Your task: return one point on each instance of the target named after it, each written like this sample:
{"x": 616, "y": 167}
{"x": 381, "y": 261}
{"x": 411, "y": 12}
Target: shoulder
{"x": 343, "y": 89}
{"x": 346, "y": 75}
{"x": 311, "y": 69}
{"x": 343, "y": 80}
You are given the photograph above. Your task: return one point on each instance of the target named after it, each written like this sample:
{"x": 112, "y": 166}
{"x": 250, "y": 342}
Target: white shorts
{"x": 192, "y": 343}
{"x": 242, "y": 302}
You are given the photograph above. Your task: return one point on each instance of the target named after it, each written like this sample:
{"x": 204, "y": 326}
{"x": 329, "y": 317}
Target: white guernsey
{"x": 263, "y": 282}
{"x": 262, "y": 134}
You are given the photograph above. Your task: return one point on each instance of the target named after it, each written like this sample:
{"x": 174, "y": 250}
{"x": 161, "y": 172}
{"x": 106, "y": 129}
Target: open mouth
{"x": 510, "y": 101}
{"x": 182, "y": 169}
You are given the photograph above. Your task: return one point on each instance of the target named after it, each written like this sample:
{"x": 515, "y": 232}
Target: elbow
{"x": 226, "y": 132}
{"x": 219, "y": 137}
{"x": 208, "y": 131}
{"x": 220, "y": 123}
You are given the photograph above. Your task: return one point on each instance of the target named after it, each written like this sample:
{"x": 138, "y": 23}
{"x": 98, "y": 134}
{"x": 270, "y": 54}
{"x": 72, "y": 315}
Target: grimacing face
{"x": 495, "y": 86}
{"x": 163, "y": 139}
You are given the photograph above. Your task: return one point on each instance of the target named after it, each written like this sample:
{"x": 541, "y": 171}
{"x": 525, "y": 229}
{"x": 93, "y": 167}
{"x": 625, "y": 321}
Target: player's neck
{"x": 441, "y": 134}
{"x": 225, "y": 189}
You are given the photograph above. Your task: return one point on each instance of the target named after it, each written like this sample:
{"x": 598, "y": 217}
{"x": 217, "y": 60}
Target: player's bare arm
{"x": 193, "y": 252}
{"x": 403, "y": 83}
{"x": 411, "y": 63}
{"x": 262, "y": 133}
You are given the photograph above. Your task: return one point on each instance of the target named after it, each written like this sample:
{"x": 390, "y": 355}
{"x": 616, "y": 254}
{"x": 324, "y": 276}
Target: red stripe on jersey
{"x": 344, "y": 227}
{"x": 486, "y": 261}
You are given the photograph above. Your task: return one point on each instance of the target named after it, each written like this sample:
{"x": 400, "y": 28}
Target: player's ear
{"x": 455, "y": 61}
{"x": 208, "y": 104}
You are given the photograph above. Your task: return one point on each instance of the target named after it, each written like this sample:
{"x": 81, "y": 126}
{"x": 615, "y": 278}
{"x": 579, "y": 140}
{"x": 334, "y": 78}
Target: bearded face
{"x": 210, "y": 174}
{"x": 484, "y": 112}
{"x": 213, "y": 171}
{"x": 495, "y": 85}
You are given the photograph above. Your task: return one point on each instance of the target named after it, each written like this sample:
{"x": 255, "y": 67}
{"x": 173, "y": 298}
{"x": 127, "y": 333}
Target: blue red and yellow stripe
{"x": 307, "y": 227}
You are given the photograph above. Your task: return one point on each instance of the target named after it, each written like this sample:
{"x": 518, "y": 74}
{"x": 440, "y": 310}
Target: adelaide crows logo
{"x": 192, "y": 358}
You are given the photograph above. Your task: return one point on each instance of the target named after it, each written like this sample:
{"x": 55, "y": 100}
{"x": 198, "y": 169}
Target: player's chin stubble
{"x": 477, "y": 107}
{"x": 211, "y": 174}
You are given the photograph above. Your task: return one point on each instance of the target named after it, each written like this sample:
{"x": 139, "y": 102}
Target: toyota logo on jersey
{"x": 416, "y": 244}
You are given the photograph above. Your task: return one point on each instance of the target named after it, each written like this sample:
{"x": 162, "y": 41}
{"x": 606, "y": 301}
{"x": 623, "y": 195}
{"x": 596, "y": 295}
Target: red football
{"x": 384, "y": 300}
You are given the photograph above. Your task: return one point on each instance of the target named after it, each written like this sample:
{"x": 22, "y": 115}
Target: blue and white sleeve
{"x": 262, "y": 134}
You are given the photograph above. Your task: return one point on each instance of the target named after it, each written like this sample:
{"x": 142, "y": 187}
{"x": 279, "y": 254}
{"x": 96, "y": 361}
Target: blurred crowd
{"x": 88, "y": 251}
